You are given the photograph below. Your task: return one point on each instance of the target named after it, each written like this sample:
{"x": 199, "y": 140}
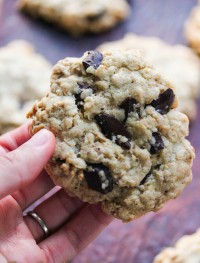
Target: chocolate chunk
{"x": 157, "y": 167}
{"x": 158, "y": 145}
{"x": 84, "y": 85}
{"x": 98, "y": 178}
{"x": 146, "y": 177}
{"x": 95, "y": 17}
{"x": 94, "y": 59}
{"x": 79, "y": 100}
{"x": 130, "y": 105}
{"x": 164, "y": 102}
{"x": 149, "y": 174}
{"x": 58, "y": 161}
{"x": 114, "y": 130}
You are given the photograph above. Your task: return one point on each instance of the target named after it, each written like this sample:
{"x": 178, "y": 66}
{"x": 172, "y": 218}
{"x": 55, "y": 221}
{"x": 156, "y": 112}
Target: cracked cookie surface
{"x": 120, "y": 140}
{"x": 79, "y": 16}
{"x": 24, "y": 77}
{"x": 177, "y": 63}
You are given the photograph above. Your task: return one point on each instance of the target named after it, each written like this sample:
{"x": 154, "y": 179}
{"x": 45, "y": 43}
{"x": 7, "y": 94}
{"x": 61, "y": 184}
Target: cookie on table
{"x": 120, "y": 139}
{"x": 186, "y": 250}
{"x": 79, "y": 16}
{"x": 178, "y": 63}
{"x": 24, "y": 77}
{"x": 192, "y": 29}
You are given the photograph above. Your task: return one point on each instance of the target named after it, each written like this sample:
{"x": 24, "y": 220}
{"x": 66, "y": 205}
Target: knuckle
{"x": 75, "y": 240}
{"x": 6, "y": 160}
{"x": 21, "y": 198}
{"x": 49, "y": 254}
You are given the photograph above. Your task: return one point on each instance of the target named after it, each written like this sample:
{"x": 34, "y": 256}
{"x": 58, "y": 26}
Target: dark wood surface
{"x": 141, "y": 240}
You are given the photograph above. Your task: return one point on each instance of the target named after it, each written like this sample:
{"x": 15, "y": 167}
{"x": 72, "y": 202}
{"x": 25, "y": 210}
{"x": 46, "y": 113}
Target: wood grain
{"x": 141, "y": 240}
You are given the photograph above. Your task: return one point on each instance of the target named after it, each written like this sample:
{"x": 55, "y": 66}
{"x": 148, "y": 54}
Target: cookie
{"x": 120, "y": 140}
{"x": 186, "y": 250}
{"x": 24, "y": 77}
{"x": 192, "y": 29}
{"x": 178, "y": 63}
{"x": 79, "y": 16}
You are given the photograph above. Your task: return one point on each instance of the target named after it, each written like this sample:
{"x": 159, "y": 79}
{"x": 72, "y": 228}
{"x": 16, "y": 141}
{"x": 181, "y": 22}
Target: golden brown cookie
{"x": 79, "y": 16}
{"x": 120, "y": 139}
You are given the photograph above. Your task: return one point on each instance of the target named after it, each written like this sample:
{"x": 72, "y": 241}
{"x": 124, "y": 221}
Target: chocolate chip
{"x": 95, "y": 17}
{"x": 98, "y": 178}
{"x": 158, "y": 145}
{"x": 114, "y": 130}
{"x": 164, "y": 102}
{"x": 146, "y": 177}
{"x": 82, "y": 86}
{"x": 58, "y": 161}
{"x": 157, "y": 167}
{"x": 94, "y": 59}
{"x": 130, "y": 105}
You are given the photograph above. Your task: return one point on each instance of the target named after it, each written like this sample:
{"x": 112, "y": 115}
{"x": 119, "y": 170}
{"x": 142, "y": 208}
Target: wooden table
{"x": 141, "y": 240}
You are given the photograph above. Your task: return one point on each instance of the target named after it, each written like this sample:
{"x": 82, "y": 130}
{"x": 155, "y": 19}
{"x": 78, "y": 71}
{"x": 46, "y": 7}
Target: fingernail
{"x": 40, "y": 138}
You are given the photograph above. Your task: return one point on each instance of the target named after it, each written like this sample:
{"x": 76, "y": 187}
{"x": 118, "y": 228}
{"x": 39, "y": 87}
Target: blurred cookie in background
{"x": 192, "y": 29}
{"x": 186, "y": 250}
{"x": 24, "y": 77}
{"x": 79, "y": 16}
{"x": 178, "y": 63}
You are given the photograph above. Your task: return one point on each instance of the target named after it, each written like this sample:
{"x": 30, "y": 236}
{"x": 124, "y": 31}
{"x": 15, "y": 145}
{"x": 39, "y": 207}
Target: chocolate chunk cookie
{"x": 177, "y": 63}
{"x": 79, "y": 16}
{"x": 120, "y": 140}
{"x": 24, "y": 77}
{"x": 186, "y": 250}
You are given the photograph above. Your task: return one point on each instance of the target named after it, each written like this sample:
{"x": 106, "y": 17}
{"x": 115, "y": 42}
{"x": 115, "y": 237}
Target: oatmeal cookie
{"x": 192, "y": 29}
{"x": 177, "y": 63}
{"x": 79, "y": 16}
{"x": 186, "y": 250}
{"x": 120, "y": 140}
{"x": 24, "y": 77}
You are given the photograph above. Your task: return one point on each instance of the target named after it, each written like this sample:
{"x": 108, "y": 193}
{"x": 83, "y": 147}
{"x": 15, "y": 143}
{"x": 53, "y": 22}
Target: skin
{"x": 72, "y": 224}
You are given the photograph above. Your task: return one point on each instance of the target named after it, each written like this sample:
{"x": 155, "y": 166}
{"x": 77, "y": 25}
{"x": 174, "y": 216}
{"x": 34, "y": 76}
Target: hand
{"x": 72, "y": 224}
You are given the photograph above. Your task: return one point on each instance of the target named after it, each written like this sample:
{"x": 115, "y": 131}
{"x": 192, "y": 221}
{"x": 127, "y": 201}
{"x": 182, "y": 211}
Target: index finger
{"x": 12, "y": 140}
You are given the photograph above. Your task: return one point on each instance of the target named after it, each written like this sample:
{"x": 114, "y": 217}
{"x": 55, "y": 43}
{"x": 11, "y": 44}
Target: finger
{"x": 2, "y": 259}
{"x": 31, "y": 193}
{"x": 21, "y": 166}
{"x": 12, "y": 140}
{"x": 2, "y": 150}
{"x": 65, "y": 244}
{"x": 55, "y": 211}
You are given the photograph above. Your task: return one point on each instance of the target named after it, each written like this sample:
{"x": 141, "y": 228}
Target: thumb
{"x": 21, "y": 166}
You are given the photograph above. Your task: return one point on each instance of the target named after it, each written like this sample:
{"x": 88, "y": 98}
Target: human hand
{"x": 72, "y": 224}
